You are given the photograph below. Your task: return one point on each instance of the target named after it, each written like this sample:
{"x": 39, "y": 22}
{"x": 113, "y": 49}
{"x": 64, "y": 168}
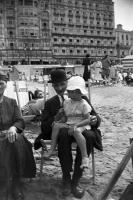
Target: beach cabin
{"x": 12, "y": 72}
{"x": 127, "y": 62}
{"x": 46, "y": 69}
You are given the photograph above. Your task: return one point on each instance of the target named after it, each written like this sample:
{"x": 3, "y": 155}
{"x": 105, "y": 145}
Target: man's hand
{"x": 93, "y": 120}
{"x": 12, "y": 134}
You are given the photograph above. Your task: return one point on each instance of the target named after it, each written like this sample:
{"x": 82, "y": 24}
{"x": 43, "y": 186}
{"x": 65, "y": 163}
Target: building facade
{"x": 25, "y": 32}
{"x": 64, "y": 30}
{"x": 82, "y": 26}
{"x": 124, "y": 41}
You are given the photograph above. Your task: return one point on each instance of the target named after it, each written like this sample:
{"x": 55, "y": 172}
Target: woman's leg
{"x": 80, "y": 139}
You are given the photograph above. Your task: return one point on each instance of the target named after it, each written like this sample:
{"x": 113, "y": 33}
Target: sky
{"x": 124, "y": 13}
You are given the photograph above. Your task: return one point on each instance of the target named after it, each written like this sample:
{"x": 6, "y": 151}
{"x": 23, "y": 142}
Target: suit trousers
{"x": 65, "y": 154}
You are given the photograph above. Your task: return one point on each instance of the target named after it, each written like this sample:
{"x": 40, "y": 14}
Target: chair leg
{"x": 93, "y": 166}
{"x": 41, "y": 164}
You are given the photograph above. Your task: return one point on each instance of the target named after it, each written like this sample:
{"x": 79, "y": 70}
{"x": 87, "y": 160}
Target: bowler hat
{"x": 3, "y": 76}
{"x": 58, "y": 75}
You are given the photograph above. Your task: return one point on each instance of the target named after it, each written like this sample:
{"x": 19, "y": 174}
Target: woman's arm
{"x": 18, "y": 124}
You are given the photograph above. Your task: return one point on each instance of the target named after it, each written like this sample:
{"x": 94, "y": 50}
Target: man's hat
{"x": 58, "y": 75}
{"x": 3, "y": 76}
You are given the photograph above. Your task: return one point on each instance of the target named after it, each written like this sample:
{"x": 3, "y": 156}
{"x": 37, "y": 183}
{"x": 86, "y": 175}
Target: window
{"x": 71, "y": 51}
{"x": 85, "y": 51}
{"x": 10, "y": 33}
{"x": 11, "y": 45}
{"x": 85, "y": 21}
{"x": 35, "y": 3}
{"x": 55, "y": 39}
{"x": 78, "y": 51}
{"x": 20, "y": 2}
{"x": 84, "y": 4}
{"x": 92, "y": 41}
{"x": 28, "y": 3}
{"x": 69, "y": 11}
{"x": 63, "y": 51}
{"x": 55, "y": 50}
{"x": 12, "y": 2}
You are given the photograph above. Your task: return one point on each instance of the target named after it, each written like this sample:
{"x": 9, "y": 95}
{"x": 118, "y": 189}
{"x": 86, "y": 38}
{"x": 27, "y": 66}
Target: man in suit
{"x": 93, "y": 136}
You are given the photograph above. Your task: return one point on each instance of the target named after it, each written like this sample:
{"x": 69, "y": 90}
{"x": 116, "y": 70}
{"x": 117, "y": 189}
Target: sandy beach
{"x": 115, "y": 106}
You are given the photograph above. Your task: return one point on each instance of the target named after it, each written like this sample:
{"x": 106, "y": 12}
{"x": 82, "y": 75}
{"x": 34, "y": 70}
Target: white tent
{"x": 127, "y": 62}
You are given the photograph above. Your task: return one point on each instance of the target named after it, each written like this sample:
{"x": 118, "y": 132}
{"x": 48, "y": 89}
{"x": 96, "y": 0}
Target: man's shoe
{"x": 77, "y": 191}
{"x": 66, "y": 191}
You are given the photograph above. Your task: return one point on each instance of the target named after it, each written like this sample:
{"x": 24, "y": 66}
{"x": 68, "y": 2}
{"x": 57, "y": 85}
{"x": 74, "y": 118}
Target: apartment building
{"x": 25, "y": 33}
{"x": 82, "y": 26}
{"x": 124, "y": 41}
{"x": 64, "y": 30}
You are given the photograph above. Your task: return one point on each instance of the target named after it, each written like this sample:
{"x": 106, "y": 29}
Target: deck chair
{"x": 18, "y": 90}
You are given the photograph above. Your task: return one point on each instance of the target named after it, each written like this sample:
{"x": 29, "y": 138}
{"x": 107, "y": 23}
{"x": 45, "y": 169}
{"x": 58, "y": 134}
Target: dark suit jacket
{"x": 50, "y": 110}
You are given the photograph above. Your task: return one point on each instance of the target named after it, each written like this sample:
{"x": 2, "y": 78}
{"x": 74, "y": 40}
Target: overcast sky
{"x": 124, "y": 13}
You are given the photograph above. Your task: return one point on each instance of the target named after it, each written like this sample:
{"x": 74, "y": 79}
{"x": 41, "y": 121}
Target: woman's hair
{"x": 36, "y": 93}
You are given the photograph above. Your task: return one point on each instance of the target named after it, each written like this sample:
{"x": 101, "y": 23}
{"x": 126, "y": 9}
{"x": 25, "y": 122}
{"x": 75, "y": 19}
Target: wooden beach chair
{"x": 18, "y": 90}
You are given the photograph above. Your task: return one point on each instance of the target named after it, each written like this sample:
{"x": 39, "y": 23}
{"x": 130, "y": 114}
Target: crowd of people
{"x": 105, "y": 72}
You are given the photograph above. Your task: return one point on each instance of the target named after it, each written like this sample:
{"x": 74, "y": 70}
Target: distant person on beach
{"x": 35, "y": 105}
{"x": 106, "y": 64}
{"x": 87, "y": 70}
{"x": 96, "y": 69}
{"x": 75, "y": 115}
{"x": 93, "y": 137}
